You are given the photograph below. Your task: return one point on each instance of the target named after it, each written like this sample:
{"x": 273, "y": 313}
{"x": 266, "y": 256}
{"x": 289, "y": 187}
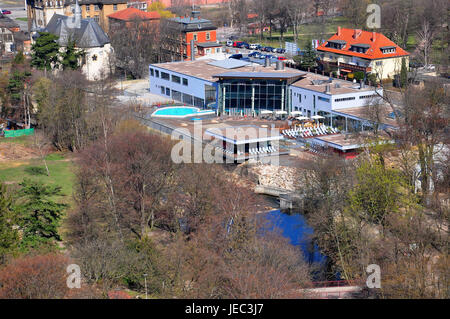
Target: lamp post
{"x": 145, "y": 281}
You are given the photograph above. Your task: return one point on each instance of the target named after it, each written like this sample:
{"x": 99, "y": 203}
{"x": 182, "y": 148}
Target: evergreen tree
{"x": 38, "y": 214}
{"x": 9, "y": 237}
{"x": 71, "y": 56}
{"x": 45, "y": 51}
{"x": 309, "y": 57}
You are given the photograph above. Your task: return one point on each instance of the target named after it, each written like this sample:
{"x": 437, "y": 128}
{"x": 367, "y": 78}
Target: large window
{"x": 167, "y": 91}
{"x": 176, "y": 95}
{"x": 262, "y": 94}
{"x": 165, "y": 76}
{"x": 163, "y": 90}
{"x": 157, "y": 73}
{"x": 185, "y": 81}
{"x": 176, "y": 79}
{"x": 152, "y": 72}
{"x": 188, "y": 99}
{"x": 323, "y": 99}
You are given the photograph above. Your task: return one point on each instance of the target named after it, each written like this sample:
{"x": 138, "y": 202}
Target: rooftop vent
{"x": 280, "y": 65}
{"x": 327, "y": 89}
{"x": 337, "y": 85}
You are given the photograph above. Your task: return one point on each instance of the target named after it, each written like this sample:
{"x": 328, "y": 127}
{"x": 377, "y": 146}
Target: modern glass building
{"x": 255, "y": 91}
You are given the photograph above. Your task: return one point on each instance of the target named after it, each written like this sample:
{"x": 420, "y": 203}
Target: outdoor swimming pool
{"x": 181, "y": 112}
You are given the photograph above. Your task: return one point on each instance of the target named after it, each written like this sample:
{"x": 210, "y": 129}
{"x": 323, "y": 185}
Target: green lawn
{"x": 22, "y": 19}
{"x": 61, "y": 173}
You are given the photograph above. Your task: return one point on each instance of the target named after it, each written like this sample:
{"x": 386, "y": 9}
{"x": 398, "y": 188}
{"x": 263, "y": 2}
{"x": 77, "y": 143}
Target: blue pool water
{"x": 180, "y": 112}
{"x": 298, "y": 231}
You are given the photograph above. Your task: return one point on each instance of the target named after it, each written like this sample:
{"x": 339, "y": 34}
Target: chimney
{"x": 373, "y": 36}
{"x": 280, "y": 65}
{"x": 339, "y": 31}
{"x": 327, "y": 89}
{"x": 267, "y": 63}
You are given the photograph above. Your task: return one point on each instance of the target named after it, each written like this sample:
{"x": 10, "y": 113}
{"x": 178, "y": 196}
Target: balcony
{"x": 346, "y": 66}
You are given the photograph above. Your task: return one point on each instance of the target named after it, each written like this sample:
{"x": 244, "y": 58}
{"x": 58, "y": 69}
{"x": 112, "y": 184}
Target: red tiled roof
{"x": 364, "y": 37}
{"x": 131, "y": 13}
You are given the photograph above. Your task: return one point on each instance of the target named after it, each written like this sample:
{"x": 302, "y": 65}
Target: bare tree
{"x": 136, "y": 44}
{"x": 425, "y": 40}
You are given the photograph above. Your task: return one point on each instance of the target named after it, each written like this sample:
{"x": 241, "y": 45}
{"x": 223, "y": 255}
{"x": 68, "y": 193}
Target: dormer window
{"x": 336, "y": 44}
{"x": 359, "y": 48}
{"x": 388, "y": 49}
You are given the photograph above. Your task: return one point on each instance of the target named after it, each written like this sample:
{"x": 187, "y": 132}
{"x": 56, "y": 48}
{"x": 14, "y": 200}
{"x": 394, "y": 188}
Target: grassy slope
{"x": 60, "y": 167}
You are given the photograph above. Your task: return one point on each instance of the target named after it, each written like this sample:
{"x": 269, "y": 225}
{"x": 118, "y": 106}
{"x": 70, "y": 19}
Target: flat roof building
{"x": 238, "y": 86}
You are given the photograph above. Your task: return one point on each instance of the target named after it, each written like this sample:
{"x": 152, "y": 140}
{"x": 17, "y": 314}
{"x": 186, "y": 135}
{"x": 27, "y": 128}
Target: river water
{"x": 295, "y": 228}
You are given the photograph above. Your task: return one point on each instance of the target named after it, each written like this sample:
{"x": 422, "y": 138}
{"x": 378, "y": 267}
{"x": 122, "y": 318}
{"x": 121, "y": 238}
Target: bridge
{"x": 288, "y": 198}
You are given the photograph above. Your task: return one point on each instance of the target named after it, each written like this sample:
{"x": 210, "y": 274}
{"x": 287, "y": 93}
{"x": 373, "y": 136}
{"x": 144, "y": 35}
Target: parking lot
{"x": 246, "y": 52}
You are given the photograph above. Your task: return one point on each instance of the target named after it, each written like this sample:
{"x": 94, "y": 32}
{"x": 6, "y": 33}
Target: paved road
{"x": 16, "y": 12}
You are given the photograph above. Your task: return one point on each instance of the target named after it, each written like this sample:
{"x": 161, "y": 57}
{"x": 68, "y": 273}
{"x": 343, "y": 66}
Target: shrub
{"x": 34, "y": 277}
{"x": 35, "y": 170}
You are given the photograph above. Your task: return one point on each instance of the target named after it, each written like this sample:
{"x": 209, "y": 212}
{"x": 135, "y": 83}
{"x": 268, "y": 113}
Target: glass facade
{"x": 253, "y": 94}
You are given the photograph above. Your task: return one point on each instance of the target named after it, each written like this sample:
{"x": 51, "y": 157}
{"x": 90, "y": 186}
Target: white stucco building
{"x": 89, "y": 37}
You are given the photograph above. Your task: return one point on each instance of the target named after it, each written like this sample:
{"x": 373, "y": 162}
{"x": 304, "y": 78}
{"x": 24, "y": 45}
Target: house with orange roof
{"x": 352, "y": 50}
{"x": 124, "y": 18}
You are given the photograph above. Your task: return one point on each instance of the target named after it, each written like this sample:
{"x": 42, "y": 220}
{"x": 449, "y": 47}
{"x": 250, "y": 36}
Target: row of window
{"x": 368, "y": 96}
{"x": 166, "y": 76}
{"x": 344, "y": 99}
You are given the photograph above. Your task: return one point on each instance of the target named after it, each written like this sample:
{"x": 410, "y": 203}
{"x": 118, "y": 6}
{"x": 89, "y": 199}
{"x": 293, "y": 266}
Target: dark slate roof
{"x": 6, "y": 22}
{"x": 89, "y": 34}
{"x": 209, "y": 44}
{"x": 189, "y": 24}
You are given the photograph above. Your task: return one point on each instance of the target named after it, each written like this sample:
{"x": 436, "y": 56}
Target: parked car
{"x": 262, "y": 56}
{"x": 244, "y": 45}
{"x": 281, "y": 50}
{"x": 229, "y": 43}
{"x": 6, "y": 12}
{"x": 254, "y": 54}
{"x": 282, "y": 58}
{"x": 254, "y": 46}
{"x": 237, "y": 44}
{"x": 236, "y": 56}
